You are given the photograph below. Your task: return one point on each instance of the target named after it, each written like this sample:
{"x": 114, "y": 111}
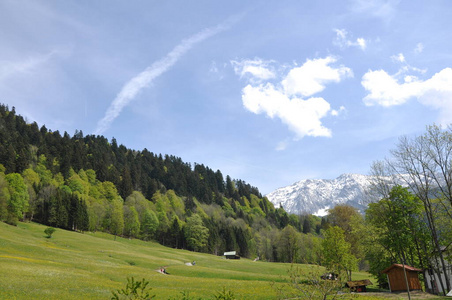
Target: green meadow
{"x": 73, "y": 265}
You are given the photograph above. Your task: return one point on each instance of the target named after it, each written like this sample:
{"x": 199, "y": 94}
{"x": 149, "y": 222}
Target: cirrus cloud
{"x": 130, "y": 90}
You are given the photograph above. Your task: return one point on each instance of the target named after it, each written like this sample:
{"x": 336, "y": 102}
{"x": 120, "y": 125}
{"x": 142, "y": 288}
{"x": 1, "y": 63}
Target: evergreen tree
{"x": 125, "y": 188}
{"x": 176, "y": 233}
{"x": 306, "y": 225}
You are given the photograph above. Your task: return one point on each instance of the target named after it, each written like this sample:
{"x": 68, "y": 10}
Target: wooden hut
{"x": 396, "y": 278}
{"x": 358, "y": 285}
{"x": 231, "y": 255}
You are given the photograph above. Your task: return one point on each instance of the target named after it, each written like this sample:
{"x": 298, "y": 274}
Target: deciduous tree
{"x": 18, "y": 198}
{"x": 337, "y": 255}
{"x": 196, "y": 233}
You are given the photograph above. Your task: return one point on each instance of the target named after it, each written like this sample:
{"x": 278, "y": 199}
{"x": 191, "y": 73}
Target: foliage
{"x": 305, "y": 283}
{"x": 88, "y": 183}
{"x": 337, "y": 255}
{"x": 224, "y": 295}
{"x": 399, "y": 230}
{"x": 196, "y": 233}
{"x": 17, "y": 205}
{"x": 423, "y": 163}
{"x": 49, "y": 231}
{"x": 350, "y": 221}
{"x": 136, "y": 290}
{"x": 289, "y": 244}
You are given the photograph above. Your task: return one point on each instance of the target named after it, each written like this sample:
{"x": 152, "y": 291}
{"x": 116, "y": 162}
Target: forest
{"x": 88, "y": 183}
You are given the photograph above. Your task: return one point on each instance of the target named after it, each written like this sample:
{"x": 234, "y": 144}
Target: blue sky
{"x": 270, "y": 92}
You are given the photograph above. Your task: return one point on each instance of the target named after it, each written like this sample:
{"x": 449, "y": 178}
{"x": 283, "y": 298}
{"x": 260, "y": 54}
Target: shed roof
{"x": 408, "y": 268}
{"x": 356, "y": 283}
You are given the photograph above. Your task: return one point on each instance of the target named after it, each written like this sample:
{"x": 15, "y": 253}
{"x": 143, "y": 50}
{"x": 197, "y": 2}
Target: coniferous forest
{"x": 88, "y": 183}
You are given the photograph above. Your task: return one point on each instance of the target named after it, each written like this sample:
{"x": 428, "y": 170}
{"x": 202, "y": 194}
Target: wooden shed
{"x": 396, "y": 278}
{"x": 231, "y": 255}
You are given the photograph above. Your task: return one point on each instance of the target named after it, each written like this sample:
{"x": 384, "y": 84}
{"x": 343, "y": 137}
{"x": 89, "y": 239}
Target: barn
{"x": 396, "y": 278}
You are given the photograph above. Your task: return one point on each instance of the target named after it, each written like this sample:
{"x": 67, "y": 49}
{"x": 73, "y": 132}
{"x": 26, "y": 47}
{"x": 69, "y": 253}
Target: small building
{"x": 435, "y": 281}
{"x": 358, "y": 285}
{"x": 231, "y": 255}
{"x": 396, "y": 278}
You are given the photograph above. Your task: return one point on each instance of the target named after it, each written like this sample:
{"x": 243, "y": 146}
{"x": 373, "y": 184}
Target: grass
{"x": 72, "y": 265}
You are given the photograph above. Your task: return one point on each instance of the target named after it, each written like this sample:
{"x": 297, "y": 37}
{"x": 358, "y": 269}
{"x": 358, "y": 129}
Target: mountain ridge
{"x": 315, "y": 196}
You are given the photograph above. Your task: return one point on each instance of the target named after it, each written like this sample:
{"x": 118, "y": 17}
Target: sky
{"x": 269, "y": 92}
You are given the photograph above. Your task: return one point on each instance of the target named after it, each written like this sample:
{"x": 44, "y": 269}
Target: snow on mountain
{"x": 315, "y": 196}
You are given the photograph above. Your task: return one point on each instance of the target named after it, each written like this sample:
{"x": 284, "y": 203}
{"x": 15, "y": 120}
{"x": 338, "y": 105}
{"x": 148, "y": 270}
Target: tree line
{"x": 87, "y": 183}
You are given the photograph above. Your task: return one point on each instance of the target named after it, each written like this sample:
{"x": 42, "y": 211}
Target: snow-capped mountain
{"x": 315, "y": 196}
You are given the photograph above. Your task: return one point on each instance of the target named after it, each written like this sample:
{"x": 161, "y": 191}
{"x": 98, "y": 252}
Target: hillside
{"x": 88, "y": 266}
{"x": 71, "y": 265}
{"x": 87, "y": 183}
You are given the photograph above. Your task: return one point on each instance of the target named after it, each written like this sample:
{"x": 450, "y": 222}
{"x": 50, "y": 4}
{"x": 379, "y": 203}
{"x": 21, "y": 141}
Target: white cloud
{"x": 338, "y": 112}
{"x": 361, "y": 43}
{"x": 312, "y": 76}
{"x": 144, "y": 79}
{"x": 284, "y": 100}
{"x": 398, "y": 58}
{"x": 419, "y": 48}
{"x": 342, "y": 40}
{"x": 436, "y": 92}
{"x": 256, "y": 69}
{"x": 301, "y": 116}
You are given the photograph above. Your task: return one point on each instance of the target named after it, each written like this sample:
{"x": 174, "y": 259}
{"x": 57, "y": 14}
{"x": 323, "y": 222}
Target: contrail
{"x": 142, "y": 80}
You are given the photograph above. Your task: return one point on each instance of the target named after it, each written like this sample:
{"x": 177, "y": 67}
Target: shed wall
{"x": 397, "y": 280}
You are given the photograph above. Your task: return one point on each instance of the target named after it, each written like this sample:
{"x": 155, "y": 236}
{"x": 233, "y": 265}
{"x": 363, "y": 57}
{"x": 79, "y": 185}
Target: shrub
{"x": 136, "y": 290}
{"x": 49, "y": 231}
{"x": 224, "y": 295}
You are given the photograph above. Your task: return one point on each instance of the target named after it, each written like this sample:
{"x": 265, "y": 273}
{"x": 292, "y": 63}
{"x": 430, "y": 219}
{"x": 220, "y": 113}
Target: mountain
{"x": 315, "y": 196}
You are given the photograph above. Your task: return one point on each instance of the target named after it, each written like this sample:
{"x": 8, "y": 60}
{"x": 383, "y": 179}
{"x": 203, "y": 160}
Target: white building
{"x": 432, "y": 278}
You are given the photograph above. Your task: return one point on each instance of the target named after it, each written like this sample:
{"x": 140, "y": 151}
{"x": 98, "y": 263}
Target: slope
{"x": 71, "y": 265}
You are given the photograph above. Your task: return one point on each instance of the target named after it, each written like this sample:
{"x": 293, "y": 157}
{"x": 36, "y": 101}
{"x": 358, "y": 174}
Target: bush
{"x": 137, "y": 290}
{"x": 224, "y": 295}
{"x": 49, "y": 231}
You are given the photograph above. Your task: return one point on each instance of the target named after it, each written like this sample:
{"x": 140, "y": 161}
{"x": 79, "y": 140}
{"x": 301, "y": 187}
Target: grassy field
{"x": 72, "y": 265}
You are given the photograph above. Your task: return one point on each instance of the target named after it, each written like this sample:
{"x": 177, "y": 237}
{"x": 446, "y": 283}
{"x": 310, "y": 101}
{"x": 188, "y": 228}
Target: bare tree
{"x": 381, "y": 181}
{"x": 424, "y": 163}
